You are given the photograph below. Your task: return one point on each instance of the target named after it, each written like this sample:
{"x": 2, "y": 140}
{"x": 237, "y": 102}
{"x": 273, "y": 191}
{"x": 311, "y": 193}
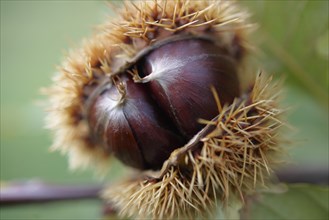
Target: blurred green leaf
{"x": 292, "y": 41}
{"x": 293, "y": 36}
{"x": 298, "y": 202}
{"x": 34, "y": 36}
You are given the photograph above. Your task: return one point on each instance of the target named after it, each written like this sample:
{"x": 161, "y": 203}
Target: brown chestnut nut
{"x": 143, "y": 121}
{"x": 181, "y": 74}
{"x": 131, "y": 125}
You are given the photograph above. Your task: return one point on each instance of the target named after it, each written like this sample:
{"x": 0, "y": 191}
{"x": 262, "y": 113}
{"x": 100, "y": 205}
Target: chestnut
{"x": 132, "y": 126}
{"x": 143, "y": 121}
{"x": 181, "y": 74}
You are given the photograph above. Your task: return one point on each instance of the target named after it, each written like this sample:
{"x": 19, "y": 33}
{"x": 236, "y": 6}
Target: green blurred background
{"x": 292, "y": 35}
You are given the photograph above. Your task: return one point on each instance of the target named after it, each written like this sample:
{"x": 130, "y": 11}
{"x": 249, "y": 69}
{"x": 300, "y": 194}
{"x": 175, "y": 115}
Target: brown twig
{"x": 304, "y": 174}
{"x": 37, "y": 191}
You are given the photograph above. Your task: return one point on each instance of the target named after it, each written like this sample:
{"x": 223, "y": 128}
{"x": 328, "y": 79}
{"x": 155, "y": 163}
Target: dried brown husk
{"x": 230, "y": 157}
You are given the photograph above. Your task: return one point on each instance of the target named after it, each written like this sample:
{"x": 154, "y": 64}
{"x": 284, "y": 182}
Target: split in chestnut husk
{"x": 162, "y": 88}
{"x": 142, "y": 122}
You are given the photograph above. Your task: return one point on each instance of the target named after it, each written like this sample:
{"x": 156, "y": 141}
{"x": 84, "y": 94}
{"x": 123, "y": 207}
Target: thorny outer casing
{"x": 137, "y": 70}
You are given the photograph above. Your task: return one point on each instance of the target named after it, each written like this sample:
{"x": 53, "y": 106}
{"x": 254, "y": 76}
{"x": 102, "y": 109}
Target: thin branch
{"x": 35, "y": 191}
{"x": 304, "y": 174}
